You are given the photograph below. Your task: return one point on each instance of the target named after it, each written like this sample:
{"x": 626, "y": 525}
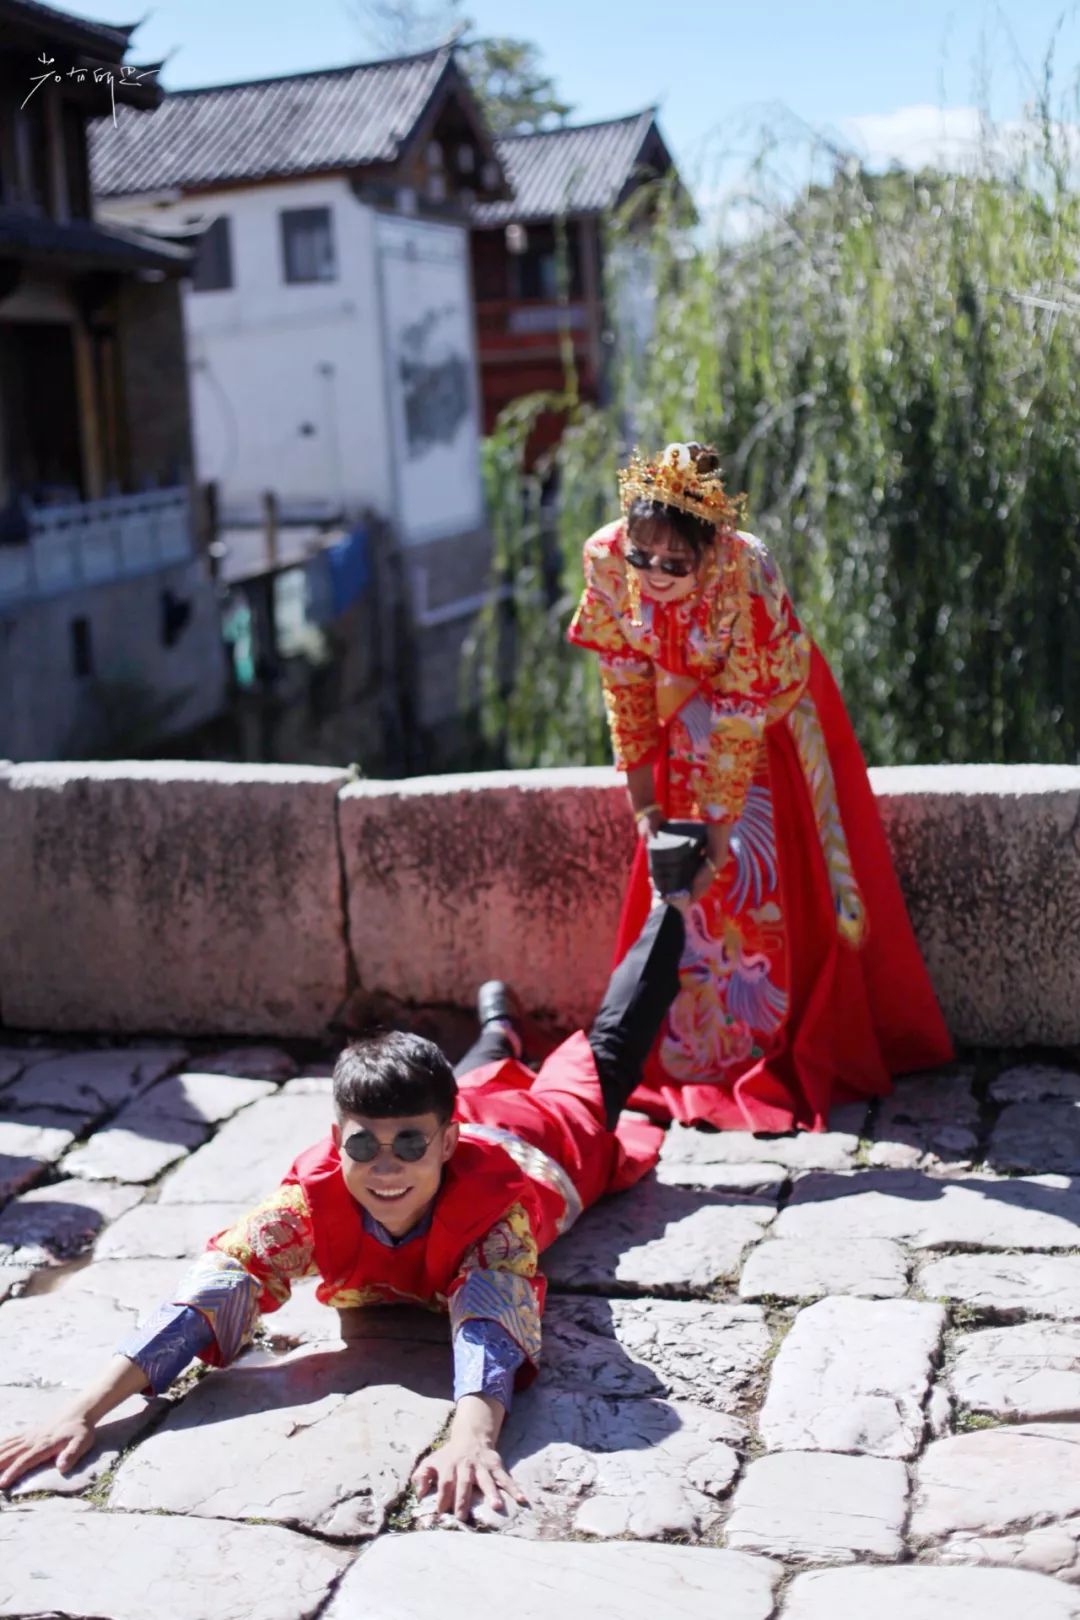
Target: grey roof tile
{"x": 578, "y": 170}
{"x": 306, "y": 123}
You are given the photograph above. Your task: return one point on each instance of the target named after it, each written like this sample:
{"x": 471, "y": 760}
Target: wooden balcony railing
{"x": 510, "y": 325}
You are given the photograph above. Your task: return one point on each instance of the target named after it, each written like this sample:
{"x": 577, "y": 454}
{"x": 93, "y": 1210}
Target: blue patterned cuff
{"x": 164, "y": 1344}
{"x": 486, "y": 1360}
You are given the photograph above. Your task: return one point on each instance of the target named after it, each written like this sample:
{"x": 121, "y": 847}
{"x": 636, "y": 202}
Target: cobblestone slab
{"x": 164, "y": 1124}
{"x": 14, "y": 1059}
{"x": 809, "y": 1150}
{"x": 165, "y": 1231}
{"x": 64, "y": 1560}
{"x": 137, "y": 1155}
{"x": 852, "y": 1375}
{"x": 254, "y": 1062}
{"x": 1025, "y": 1373}
{"x": 396, "y": 1578}
{"x": 911, "y": 1592}
{"x": 929, "y": 1119}
{"x": 1037, "y": 1136}
{"x": 851, "y": 1119}
{"x": 62, "y": 1337}
{"x": 709, "y": 1354}
{"x": 757, "y": 1180}
{"x": 87, "y": 1085}
{"x": 928, "y": 1212}
{"x": 310, "y": 1085}
{"x": 28, "y": 1146}
{"x": 812, "y": 1507}
{"x": 1008, "y": 1285}
{"x": 1049, "y": 1549}
{"x": 785, "y": 1268}
{"x": 409, "y": 1322}
{"x": 59, "y": 1221}
{"x": 640, "y": 1469}
{"x": 657, "y": 1239}
{"x": 1036, "y": 1082}
{"x": 302, "y": 1319}
{"x": 11, "y": 1064}
{"x": 322, "y": 1439}
{"x": 997, "y": 1482}
{"x": 19, "y": 1408}
{"x": 201, "y": 1097}
{"x": 250, "y": 1154}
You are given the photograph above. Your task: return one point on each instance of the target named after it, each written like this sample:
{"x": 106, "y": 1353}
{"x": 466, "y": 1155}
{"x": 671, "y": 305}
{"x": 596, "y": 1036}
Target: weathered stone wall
{"x": 514, "y": 875}
{"x": 989, "y": 858}
{"x": 217, "y": 898}
{"x": 170, "y": 896}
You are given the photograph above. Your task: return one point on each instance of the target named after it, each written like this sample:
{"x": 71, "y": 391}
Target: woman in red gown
{"x": 802, "y": 986}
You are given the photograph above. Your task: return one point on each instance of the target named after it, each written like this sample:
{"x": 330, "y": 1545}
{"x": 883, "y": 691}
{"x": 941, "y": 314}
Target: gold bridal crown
{"x": 686, "y": 476}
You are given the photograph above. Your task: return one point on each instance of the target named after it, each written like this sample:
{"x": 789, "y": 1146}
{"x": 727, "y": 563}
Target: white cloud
{"x": 947, "y": 137}
{"x": 955, "y": 138}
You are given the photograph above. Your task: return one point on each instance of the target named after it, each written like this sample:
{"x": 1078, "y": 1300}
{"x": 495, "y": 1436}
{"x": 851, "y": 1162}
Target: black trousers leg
{"x": 492, "y": 1046}
{"x": 639, "y": 993}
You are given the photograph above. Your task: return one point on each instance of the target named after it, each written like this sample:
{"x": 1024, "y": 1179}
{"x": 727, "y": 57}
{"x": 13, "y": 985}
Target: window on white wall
{"x": 307, "y": 245}
{"x": 213, "y": 270}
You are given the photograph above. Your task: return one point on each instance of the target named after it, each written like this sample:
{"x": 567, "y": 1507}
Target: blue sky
{"x": 890, "y": 80}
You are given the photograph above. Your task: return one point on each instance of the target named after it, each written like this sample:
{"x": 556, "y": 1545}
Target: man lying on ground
{"x": 426, "y": 1191}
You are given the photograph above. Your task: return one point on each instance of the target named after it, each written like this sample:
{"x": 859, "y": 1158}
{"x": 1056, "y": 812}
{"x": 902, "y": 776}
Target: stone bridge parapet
{"x": 267, "y": 900}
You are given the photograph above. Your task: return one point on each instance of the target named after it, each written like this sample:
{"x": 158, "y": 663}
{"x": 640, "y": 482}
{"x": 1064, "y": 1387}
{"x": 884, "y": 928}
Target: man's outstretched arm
{"x": 249, "y": 1269}
{"x": 70, "y": 1434}
{"x": 495, "y": 1305}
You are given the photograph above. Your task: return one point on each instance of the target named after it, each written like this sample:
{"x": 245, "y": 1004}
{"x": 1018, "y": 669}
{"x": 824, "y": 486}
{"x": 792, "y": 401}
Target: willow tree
{"x": 891, "y": 374}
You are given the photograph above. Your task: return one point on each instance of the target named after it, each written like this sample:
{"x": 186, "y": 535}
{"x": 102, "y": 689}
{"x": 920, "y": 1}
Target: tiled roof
{"x": 33, "y": 236}
{"x": 110, "y": 39}
{"x": 306, "y": 123}
{"x": 580, "y": 170}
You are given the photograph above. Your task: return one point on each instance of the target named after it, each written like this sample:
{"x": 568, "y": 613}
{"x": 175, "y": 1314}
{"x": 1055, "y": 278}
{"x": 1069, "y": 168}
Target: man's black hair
{"x": 646, "y": 515}
{"x": 393, "y": 1074}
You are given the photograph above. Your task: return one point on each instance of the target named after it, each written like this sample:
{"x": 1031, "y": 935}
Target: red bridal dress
{"x": 802, "y": 985}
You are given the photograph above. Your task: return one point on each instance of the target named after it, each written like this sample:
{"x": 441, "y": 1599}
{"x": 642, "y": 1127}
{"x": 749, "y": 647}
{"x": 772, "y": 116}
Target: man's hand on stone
{"x": 468, "y": 1461}
{"x": 70, "y": 1434}
{"x": 63, "y": 1440}
{"x": 459, "y": 1468}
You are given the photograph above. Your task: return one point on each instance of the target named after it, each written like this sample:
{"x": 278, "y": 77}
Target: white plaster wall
{"x": 255, "y": 351}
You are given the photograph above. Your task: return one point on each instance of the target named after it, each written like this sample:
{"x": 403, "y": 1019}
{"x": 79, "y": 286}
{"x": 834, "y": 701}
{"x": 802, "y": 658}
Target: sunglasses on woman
{"x": 408, "y": 1145}
{"x": 645, "y": 563}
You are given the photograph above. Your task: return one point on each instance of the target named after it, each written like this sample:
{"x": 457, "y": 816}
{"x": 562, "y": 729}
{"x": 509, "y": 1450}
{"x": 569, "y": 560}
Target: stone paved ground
{"x": 787, "y": 1379}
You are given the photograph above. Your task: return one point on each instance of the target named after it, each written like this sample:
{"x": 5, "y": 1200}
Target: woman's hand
{"x": 716, "y": 854}
{"x": 648, "y": 821}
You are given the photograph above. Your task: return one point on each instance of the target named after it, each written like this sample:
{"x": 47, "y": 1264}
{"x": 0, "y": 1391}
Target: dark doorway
{"x": 39, "y": 412}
